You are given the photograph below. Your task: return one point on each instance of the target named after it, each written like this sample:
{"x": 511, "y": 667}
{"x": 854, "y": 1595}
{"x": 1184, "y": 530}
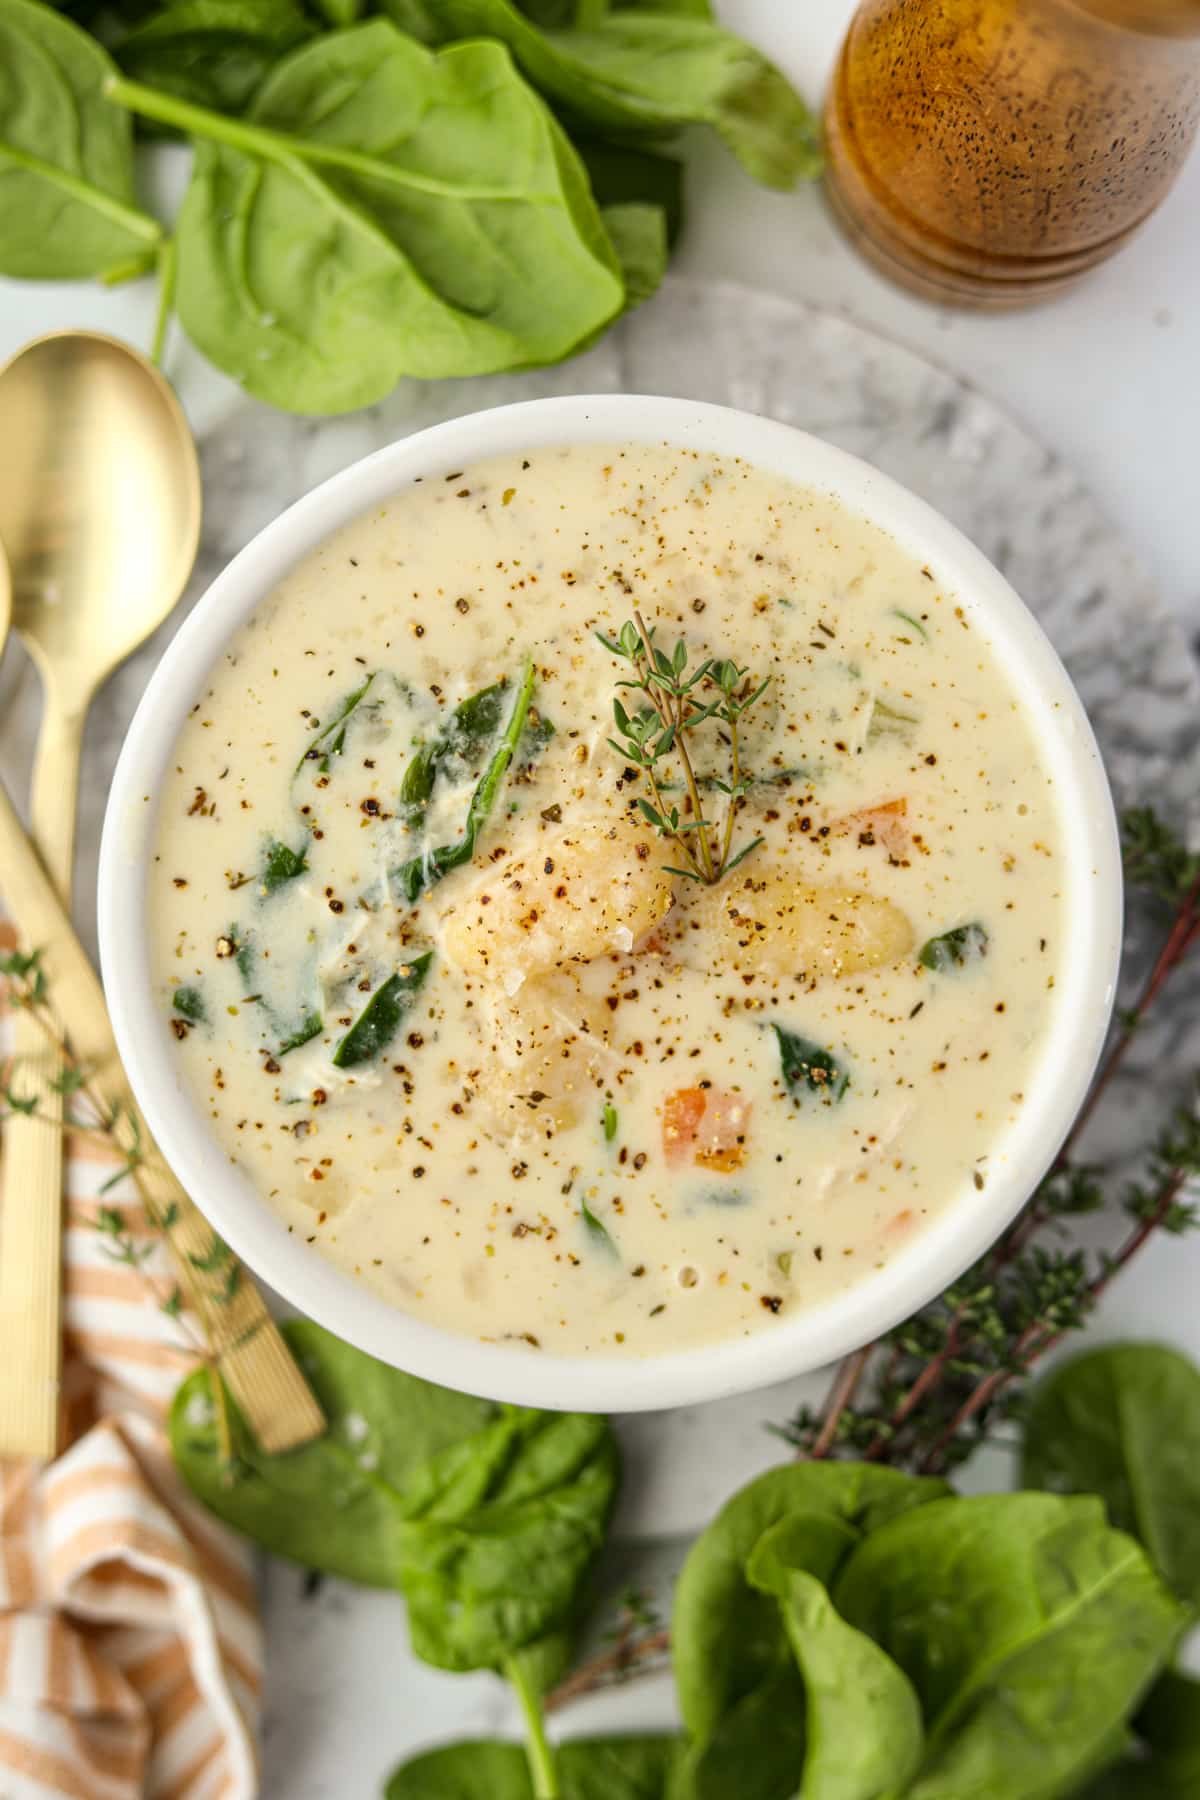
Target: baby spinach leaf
{"x": 637, "y": 69}
{"x": 1166, "y": 1762}
{"x": 639, "y": 236}
{"x": 330, "y": 740}
{"x": 862, "y": 1719}
{"x": 1027, "y": 1627}
{"x": 384, "y": 211}
{"x": 888, "y": 721}
{"x": 955, "y": 949}
{"x": 460, "y": 744}
{"x": 382, "y": 1016}
{"x": 335, "y": 1504}
{"x": 623, "y": 175}
{"x": 281, "y": 865}
{"x": 728, "y": 1637}
{"x": 1124, "y": 1422}
{"x": 608, "y": 1768}
{"x": 414, "y": 877}
{"x": 309, "y": 1027}
{"x": 215, "y": 53}
{"x": 189, "y": 1003}
{"x": 67, "y": 206}
{"x": 598, "y": 1233}
{"x": 808, "y": 1069}
{"x": 503, "y": 1529}
{"x": 756, "y": 1750}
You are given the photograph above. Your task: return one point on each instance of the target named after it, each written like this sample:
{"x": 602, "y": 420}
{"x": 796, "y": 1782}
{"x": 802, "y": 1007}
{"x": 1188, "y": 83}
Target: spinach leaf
{"x": 808, "y": 1069}
{"x": 955, "y": 949}
{"x": 598, "y": 1233}
{"x": 1027, "y": 1627}
{"x": 461, "y": 743}
{"x": 622, "y": 175}
{"x": 638, "y": 234}
{"x": 414, "y": 877}
{"x": 67, "y": 206}
{"x": 382, "y": 1016}
{"x": 282, "y": 865}
{"x": 330, "y": 740}
{"x": 215, "y": 53}
{"x": 756, "y": 1749}
{"x": 335, "y": 1504}
{"x": 1124, "y": 1422}
{"x": 642, "y": 70}
{"x": 608, "y": 1768}
{"x": 503, "y": 1529}
{"x": 728, "y": 1636}
{"x": 309, "y": 1027}
{"x": 487, "y": 1518}
{"x": 189, "y": 1003}
{"x": 384, "y": 211}
{"x": 1168, "y": 1730}
{"x": 862, "y": 1719}
{"x": 890, "y": 721}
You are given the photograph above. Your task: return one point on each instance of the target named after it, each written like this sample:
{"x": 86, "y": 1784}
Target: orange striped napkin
{"x": 130, "y": 1648}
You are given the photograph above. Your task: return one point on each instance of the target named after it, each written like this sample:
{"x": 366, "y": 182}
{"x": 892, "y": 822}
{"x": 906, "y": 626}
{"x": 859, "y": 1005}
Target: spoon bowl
{"x": 99, "y": 504}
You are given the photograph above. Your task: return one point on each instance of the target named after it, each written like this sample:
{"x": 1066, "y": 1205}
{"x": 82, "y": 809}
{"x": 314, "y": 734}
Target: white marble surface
{"x": 1107, "y": 378}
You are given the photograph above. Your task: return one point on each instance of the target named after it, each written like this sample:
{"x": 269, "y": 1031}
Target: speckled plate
{"x": 1029, "y": 513}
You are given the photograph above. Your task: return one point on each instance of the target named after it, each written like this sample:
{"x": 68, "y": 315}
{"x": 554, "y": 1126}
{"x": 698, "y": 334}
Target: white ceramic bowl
{"x": 945, "y": 1247}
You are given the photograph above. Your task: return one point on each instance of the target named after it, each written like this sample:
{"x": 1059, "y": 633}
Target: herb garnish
{"x": 678, "y": 702}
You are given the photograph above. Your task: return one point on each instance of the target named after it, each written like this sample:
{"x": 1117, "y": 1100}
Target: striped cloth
{"x": 130, "y": 1647}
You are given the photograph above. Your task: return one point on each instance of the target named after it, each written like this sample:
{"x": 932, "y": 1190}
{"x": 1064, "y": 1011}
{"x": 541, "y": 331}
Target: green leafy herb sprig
{"x": 677, "y": 701}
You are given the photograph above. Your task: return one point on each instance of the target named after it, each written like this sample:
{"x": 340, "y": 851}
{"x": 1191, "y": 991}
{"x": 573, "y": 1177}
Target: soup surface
{"x": 477, "y": 1003}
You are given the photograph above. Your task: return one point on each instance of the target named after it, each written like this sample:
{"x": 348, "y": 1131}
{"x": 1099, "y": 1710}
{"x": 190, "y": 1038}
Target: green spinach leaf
{"x": 67, "y": 205}
{"x": 309, "y": 1027}
{"x": 460, "y": 745}
{"x": 955, "y": 949}
{"x": 728, "y": 1636}
{"x": 623, "y": 175}
{"x": 384, "y": 211}
{"x": 335, "y": 1504}
{"x": 215, "y": 53}
{"x": 414, "y": 877}
{"x": 1124, "y": 1422}
{"x": 1027, "y": 1627}
{"x": 503, "y": 1529}
{"x": 642, "y": 70}
{"x": 189, "y": 1003}
{"x": 808, "y": 1069}
{"x": 609, "y": 1768}
{"x": 281, "y": 865}
{"x": 330, "y": 740}
{"x": 863, "y": 1732}
{"x": 382, "y": 1016}
{"x": 488, "y": 1519}
{"x": 638, "y": 234}
{"x": 756, "y": 1749}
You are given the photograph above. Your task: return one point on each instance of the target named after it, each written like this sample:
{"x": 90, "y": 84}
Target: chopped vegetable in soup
{"x": 609, "y": 899}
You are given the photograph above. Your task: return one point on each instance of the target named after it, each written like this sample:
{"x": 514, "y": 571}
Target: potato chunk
{"x": 575, "y": 894}
{"x": 775, "y": 924}
{"x": 547, "y": 1049}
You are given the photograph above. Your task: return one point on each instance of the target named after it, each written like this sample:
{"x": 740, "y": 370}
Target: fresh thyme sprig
{"x": 677, "y": 701}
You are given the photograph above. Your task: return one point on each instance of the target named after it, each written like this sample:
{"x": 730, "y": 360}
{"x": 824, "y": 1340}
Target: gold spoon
{"x": 100, "y": 518}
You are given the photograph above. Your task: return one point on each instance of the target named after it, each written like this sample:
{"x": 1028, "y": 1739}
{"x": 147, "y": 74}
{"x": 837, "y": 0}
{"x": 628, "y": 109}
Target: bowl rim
{"x": 791, "y": 1346}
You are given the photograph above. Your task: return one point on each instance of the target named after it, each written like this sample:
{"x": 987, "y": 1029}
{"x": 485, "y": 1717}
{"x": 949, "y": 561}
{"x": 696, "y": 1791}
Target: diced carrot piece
{"x": 706, "y": 1126}
{"x": 883, "y": 824}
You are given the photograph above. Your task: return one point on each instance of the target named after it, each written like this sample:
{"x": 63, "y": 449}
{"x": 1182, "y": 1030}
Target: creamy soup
{"x": 609, "y": 1030}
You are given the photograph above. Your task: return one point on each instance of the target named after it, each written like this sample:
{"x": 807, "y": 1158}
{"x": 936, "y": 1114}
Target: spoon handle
{"x": 252, "y": 1356}
{"x": 31, "y": 1220}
